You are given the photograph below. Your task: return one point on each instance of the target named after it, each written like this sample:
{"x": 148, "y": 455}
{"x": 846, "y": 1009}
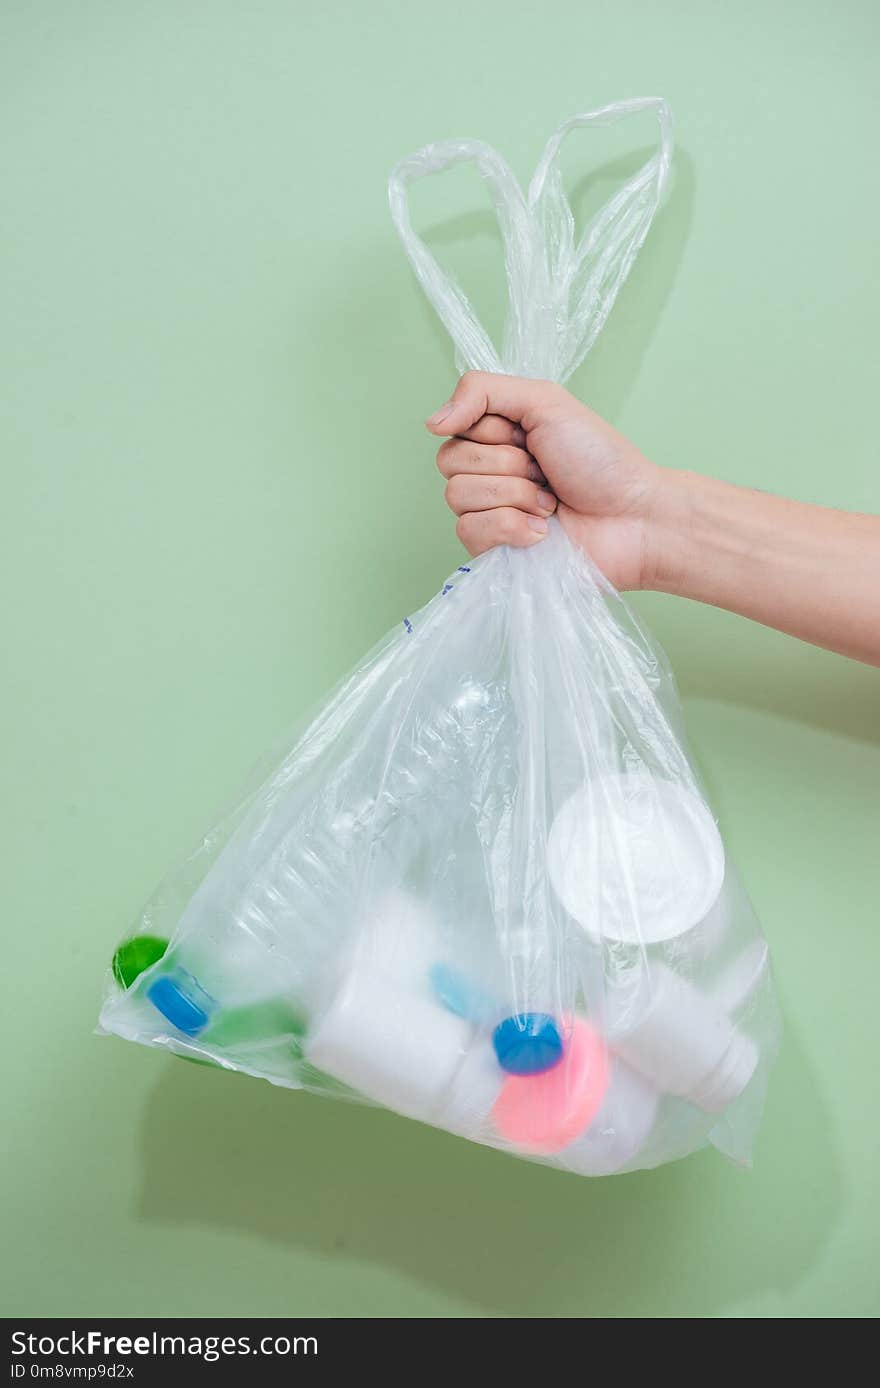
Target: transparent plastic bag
{"x": 484, "y": 887}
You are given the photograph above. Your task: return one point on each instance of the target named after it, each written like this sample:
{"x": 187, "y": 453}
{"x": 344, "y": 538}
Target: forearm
{"x": 806, "y": 570}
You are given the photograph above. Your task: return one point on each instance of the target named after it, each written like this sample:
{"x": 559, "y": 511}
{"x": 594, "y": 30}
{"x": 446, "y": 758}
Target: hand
{"x": 522, "y": 449}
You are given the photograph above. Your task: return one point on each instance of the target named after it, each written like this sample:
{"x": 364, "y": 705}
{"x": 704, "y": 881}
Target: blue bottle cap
{"x": 182, "y": 1001}
{"x": 527, "y": 1044}
{"x": 462, "y": 997}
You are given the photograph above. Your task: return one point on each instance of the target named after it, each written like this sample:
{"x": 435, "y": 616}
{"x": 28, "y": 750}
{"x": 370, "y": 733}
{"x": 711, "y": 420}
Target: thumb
{"x": 480, "y": 392}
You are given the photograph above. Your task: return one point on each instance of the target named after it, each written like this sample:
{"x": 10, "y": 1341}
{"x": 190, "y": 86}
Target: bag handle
{"x": 559, "y": 292}
{"x": 474, "y": 348}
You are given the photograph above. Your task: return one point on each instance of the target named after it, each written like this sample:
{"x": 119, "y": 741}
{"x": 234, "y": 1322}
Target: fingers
{"x": 480, "y": 393}
{"x": 492, "y": 478}
{"x": 466, "y": 493}
{"x": 482, "y": 530}
{"x": 494, "y": 428}
{"x": 461, "y": 455}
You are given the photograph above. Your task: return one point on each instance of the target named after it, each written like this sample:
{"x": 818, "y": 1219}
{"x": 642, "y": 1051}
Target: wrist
{"x": 669, "y": 505}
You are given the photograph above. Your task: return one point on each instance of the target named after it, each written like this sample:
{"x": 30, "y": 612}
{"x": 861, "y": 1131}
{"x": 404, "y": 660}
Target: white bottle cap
{"x": 730, "y": 1077}
{"x": 682, "y": 1041}
{"x": 635, "y": 858}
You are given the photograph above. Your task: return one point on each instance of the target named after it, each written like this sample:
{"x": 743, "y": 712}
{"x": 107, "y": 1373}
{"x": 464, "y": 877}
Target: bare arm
{"x": 806, "y": 570}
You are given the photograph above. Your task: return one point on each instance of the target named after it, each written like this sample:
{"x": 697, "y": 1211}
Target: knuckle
{"x": 444, "y": 456}
{"x": 453, "y": 494}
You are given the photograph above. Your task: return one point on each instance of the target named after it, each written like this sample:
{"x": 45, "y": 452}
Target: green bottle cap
{"x": 136, "y": 955}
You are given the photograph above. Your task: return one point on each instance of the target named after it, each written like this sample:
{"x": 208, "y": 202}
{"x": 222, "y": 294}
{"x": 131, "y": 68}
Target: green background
{"x": 217, "y": 492}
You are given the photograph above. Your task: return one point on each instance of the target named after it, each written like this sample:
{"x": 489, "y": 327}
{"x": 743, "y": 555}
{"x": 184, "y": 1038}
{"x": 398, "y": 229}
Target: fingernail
{"x": 538, "y": 523}
{"x": 439, "y": 416}
{"x": 546, "y": 501}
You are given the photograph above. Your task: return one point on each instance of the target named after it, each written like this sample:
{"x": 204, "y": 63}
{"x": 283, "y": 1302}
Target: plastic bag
{"x": 484, "y": 888}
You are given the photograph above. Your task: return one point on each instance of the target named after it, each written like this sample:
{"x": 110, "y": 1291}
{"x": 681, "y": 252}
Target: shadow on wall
{"x": 509, "y": 1238}
{"x": 608, "y": 376}
{"x": 730, "y": 660}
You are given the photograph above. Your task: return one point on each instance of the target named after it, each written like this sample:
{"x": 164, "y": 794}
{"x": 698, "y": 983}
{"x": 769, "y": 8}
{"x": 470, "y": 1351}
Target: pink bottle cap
{"x": 544, "y": 1113}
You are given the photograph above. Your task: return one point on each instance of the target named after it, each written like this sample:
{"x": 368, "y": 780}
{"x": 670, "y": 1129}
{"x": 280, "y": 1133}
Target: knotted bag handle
{"x": 560, "y": 291}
